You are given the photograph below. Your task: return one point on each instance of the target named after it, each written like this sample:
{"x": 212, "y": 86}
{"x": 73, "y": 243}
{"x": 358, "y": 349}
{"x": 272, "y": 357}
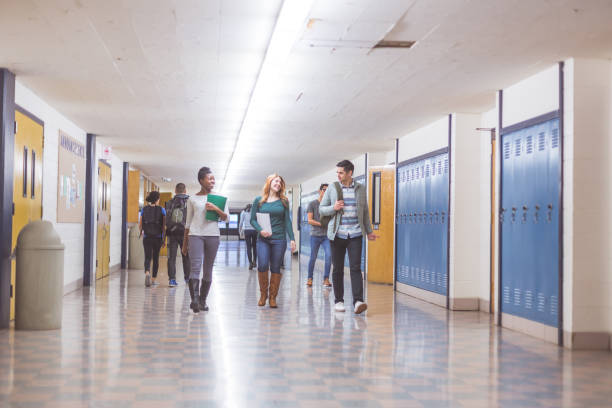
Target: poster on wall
{"x": 71, "y": 180}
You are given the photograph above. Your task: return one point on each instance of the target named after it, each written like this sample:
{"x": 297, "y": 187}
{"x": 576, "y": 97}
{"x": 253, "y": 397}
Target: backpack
{"x": 176, "y": 215}
{"x": 152, "y": 220}
{"x": 325, "y": 219}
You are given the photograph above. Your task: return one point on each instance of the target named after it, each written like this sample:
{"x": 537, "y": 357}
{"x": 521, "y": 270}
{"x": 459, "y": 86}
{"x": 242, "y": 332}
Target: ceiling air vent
{"x": 394, "y": 44}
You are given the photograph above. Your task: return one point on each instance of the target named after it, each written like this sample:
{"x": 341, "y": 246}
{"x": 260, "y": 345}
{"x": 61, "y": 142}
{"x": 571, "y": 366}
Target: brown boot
{"x": 263, "y": 287}
{"x": 275, "y": 279}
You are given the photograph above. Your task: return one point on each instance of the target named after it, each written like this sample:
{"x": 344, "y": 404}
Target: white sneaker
{"x": 360, "y": 307}
{"x": 339, "y": 307}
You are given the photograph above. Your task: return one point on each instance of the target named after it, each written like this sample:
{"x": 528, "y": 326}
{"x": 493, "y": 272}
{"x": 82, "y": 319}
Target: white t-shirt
{"x": 196, "y": 221}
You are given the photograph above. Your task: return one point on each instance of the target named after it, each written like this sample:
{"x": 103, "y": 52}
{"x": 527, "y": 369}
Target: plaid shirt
{"x": 349, "y": 223}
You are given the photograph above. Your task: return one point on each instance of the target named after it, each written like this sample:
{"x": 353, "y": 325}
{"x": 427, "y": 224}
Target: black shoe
{"x": 204, "y": 294}
{"x": 250, "y": 266}
{"x": 194, "y": 291}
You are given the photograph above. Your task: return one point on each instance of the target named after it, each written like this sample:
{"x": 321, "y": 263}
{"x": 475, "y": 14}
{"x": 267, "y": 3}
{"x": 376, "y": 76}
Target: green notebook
{"x": 217, "y": 200}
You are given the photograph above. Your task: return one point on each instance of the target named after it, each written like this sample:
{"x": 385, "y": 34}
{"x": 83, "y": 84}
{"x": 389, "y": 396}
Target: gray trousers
{"x": 174, "y": 243}
{"x": 202, "y": 250}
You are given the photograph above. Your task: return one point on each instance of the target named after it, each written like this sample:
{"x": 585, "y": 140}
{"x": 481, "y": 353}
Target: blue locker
{"x": 529, "y": 222}
{"x": 422, "y": 238}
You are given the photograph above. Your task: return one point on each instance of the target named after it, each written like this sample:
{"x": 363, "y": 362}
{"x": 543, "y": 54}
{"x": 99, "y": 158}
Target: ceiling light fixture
{"x": 291, "y": 22}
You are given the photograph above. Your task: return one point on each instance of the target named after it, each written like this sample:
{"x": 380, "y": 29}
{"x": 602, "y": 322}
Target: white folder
{"x": 264, "y": 221}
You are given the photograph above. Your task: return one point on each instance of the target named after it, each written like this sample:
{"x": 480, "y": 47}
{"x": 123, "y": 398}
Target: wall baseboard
{"x": 587, "y": 340}
{"x": 484, "y": 305}
{"x": 72, "y": 286}
{"x": 422, "y": 294}
{"x": 115, "y": 268}
{"x": 534, "y": 329}
{"x": 464, "y": 304}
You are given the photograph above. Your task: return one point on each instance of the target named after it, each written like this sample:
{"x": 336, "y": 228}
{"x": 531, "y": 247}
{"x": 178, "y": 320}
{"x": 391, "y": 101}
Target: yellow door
{"x": 104, "y": 217}
{"x": 27, "y": 188}
{"x": 381, "y": 183}
{"x": 163, "y": 198}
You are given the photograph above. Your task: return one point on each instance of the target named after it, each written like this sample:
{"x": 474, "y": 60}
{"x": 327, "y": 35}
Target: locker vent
{"x": 517, "y": 147}
{"x": 506, "y": 294}
{"x": 422, "y": 171}
{"x": 427, "y": 170}
{"x": 446, "y": 165}
{"x": 506, "y": 150}
{"x": 433, "y": 168}
{"x": 528, "y": 299}
{"x": 417, "y": 173}
{"x": 529, "y": 144}
{"x": 517, "y": 297}
{"x": 439, "y": 166}
{"x": 412, "y": 174}
{"x": 541, "y": 302}
{"x": 553, "y": 305}
{"x": 555, "y": 138}
{"x": 541, "y": 141}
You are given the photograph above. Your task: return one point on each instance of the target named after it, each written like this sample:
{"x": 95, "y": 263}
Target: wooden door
{"x": 381, "y": 183}
{"x": 27, "y": 187}
{"x": 104, "y": 218}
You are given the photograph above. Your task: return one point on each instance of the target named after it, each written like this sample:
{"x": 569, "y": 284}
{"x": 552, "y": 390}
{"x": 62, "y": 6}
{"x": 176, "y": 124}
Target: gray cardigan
{"x": 363, "y": 214}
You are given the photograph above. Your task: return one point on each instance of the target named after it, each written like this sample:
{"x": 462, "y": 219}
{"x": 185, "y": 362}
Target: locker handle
{"x": 550, "y": 206}
{"x": 537, "y": 207}
{"x": 525, "y": 208}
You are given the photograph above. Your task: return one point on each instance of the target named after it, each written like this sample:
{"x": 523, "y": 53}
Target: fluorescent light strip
{"x": 290, "y": 24}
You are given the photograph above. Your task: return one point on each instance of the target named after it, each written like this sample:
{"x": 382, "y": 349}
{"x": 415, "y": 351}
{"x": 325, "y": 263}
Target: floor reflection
{"x": 122, "y": 344}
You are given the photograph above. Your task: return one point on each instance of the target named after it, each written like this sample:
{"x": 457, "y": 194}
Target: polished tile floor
{"x": 124, "y": 345}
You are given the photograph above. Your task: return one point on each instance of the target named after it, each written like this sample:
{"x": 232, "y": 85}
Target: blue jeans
{"x": 315, "y": 243}
{"x": 270, "y": 253}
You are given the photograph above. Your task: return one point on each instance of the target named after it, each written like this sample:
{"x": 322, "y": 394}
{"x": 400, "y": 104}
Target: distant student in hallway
{"x": 318, "y": 238}
{"x": 153, "y": 224}
{"x": 201, "y": 237}
{"x": 250, "y": 235}
{"x": 176, "y": 210}
{"x": 347, "y": 204}
{"x": 271, "y": 245}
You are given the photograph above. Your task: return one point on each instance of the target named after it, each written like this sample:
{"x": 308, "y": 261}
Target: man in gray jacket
{"x": 350, "y": 221}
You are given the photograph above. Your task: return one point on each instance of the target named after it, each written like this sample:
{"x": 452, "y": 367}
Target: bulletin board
{"x": 71, "y": 180}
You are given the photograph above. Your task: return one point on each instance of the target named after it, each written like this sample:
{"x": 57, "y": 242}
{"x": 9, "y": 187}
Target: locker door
{"x": 529, "y": 222}
{"x": 27, "y": 188}
{"x": 103, "y": 217}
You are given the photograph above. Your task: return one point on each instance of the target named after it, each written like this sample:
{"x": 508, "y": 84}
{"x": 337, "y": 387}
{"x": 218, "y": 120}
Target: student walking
{"x": 153, "y": 224}
{"x": 250, "y": 235}
{"x": 176, "y": 210}
{"x": 201, "y": 238}
{"x": 348, "y": 206}
{"x": 271, "y": 246}
{"x": 318, "y": 238}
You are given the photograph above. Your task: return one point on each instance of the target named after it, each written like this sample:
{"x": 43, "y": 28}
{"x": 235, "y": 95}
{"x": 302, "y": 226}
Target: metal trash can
{"x": 39, "y": 285}
{"x": 136, "y": 258}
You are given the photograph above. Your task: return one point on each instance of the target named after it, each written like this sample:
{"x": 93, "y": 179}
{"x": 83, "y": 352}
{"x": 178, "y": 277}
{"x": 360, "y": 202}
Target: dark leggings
{"x": 250, "y": 236}
{"x": 151, "y": 249}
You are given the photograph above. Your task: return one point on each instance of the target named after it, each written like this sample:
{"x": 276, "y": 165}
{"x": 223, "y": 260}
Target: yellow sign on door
{"x": 104, "y": 218}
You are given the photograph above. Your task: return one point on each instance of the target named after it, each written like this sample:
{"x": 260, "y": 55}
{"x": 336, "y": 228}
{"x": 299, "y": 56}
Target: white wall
{"x": 487, "y": 120}
{"x": 466, "y": 251}
{"x": 590, "y": 167}
{"x": 72, "y": 234}
{"x": 424, "y": 140}
{"x": 533, "y": 96}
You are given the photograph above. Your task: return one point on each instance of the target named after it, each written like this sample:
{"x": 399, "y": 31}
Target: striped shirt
{"x": 349, "y": 223}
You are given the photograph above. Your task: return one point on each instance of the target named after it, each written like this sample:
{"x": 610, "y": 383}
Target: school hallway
{"x": 124, "y": 345}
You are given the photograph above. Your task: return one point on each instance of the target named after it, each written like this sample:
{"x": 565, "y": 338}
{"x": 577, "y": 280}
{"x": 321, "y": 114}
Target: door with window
{"x": 381, "y": 186}
{"x": 27, "y": 186}
{"x": 104, "y": 218}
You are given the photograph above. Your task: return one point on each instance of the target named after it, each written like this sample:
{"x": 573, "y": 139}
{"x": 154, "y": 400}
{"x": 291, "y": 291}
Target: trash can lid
{"x": 39, "y": 235}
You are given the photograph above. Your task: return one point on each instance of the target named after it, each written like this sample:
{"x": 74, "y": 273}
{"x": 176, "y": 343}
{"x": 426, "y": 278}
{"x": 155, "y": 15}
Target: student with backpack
{"x": 347, "y": 205}
{"x": 202, "y": 237}
{"x": 176, "y": 210}
{"x": 318, "y": 238}
{"x": 152, "y": 224}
